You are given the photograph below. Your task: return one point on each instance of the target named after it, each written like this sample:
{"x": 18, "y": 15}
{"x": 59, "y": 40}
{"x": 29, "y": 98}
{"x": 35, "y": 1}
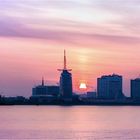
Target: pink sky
{"x": 100, "y": 36}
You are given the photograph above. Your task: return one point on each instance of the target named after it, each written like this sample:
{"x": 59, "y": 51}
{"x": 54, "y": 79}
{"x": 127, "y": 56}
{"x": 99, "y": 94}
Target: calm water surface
{"x": 69, "y": 123}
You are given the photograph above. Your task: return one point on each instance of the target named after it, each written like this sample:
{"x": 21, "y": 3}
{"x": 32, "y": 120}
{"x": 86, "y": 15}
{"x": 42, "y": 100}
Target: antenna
{"x": 42, "y": 81}
{"x": 65, "y": 63}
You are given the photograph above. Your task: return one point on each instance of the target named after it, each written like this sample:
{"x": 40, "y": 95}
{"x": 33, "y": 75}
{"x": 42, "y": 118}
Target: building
{"x": 91, "y": 94}
{"x": 109, "y": 87}
{"x": 135, "y": 88}
{"x": 65, "y": 82}
{"x": 40, "y": 90}
{"x": 45, "y": 90}
{"x": 53, "y": 90}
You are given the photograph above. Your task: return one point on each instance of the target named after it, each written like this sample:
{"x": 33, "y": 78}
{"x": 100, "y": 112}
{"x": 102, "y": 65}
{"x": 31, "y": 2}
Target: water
{"x": 70, "y": 122}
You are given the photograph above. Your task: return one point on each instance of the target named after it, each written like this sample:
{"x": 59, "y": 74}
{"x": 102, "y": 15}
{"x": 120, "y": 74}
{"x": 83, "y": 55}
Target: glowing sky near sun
{"x": 100, "y": 36}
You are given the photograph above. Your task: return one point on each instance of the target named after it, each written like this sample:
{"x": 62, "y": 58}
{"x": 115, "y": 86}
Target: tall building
{"x": 109, "y": 87}
{"x": 65, "y": 82}
{"x": 135, "y": 88}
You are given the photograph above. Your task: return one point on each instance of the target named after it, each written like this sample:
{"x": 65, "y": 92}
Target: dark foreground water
{"x": 70, "y": 122}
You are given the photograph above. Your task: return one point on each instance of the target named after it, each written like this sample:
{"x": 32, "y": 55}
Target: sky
{"x": 101, "y": 37}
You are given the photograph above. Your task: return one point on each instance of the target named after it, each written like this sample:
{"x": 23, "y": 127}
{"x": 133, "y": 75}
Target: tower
{"x": 65, "y": 81}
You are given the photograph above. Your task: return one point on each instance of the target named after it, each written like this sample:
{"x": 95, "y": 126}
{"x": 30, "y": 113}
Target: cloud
{"x": 71, "y": 21}
{"x": 12, "y": 28}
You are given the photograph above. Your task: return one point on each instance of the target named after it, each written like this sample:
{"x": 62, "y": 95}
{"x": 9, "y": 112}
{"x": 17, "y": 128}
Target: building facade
{"x": 66, "y": 84}
{"x": 135, "y": 88}
{"x": 45, "y": 90}
{"x": 53, "y": 90}
{"x": 109, "y": 87}
{"x": 39, "y": 90}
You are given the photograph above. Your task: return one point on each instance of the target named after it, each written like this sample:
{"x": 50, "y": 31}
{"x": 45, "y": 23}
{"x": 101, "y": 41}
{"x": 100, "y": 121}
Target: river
{"x": 70, "y": 122}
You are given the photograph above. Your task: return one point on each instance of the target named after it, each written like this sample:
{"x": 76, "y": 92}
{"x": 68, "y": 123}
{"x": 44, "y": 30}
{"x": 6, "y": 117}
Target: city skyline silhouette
{"x": 101, "y": 38}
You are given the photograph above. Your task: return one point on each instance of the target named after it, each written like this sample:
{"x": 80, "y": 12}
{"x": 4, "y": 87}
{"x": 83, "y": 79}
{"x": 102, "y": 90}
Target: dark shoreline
{"x": 75, "y": 101}
{"x": 71, "y": 104}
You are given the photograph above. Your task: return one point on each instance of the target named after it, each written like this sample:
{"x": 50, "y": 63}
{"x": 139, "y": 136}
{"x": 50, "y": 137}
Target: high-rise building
{"x": 65, "y": 82}
{"x": 135, "y": 88}
{"x": 109, "y": 87}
